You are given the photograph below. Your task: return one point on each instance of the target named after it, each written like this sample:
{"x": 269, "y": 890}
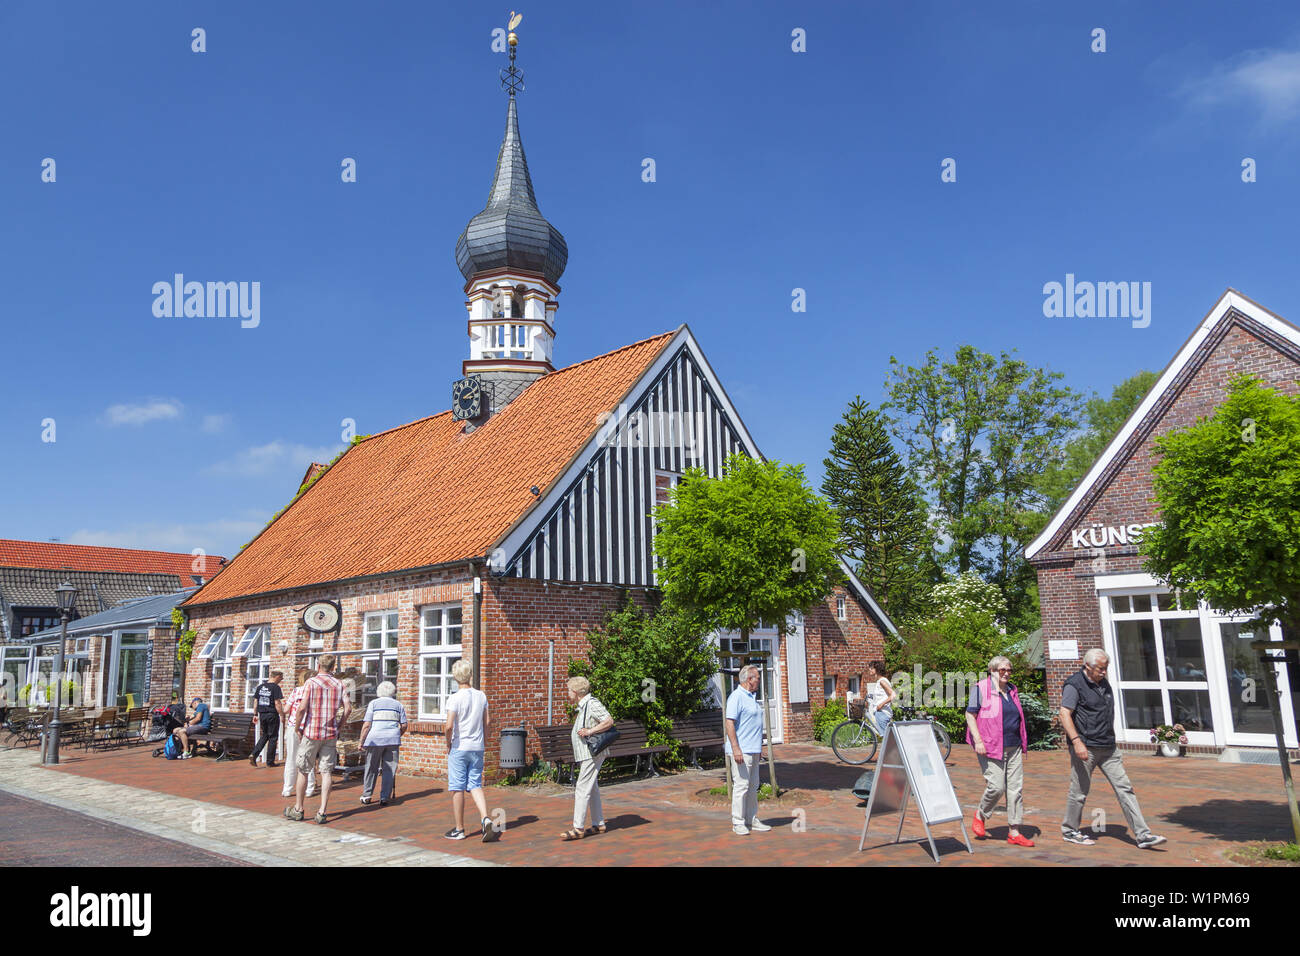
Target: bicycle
{"x": 856, "y": 740}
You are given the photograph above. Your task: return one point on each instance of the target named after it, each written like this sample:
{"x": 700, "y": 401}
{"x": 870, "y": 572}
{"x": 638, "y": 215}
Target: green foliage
{"x": 980, "y": 431}
{"x": 651, "y": 669}
{"x": 756, "y": 544}
{"x": 1228, "y": 490}
{"x": 540, "y": 772}
{"x": 1289, "y": 852}
{"x": 1040, "y": 722}
{"x": 884, "y": 526}
{"x": 185, "y": 636}
{"x": 1103, "y": 418}
{"x": 826, "y": 718}
{"x": 765, "y": 791}
{"x": 968, "y": 593}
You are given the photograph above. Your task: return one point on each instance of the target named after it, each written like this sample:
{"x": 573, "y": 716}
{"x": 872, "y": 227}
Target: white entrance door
{"x": 1248, "y": 720}
{"x": 761, "y": 639}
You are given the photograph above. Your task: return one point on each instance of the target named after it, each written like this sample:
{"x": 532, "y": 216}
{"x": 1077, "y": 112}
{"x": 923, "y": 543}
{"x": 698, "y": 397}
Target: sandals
{"x": 597, "y": 829}
{"x": 572, "y": 834}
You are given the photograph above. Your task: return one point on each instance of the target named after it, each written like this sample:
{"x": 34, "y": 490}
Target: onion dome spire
{"x": 511, "y": 232}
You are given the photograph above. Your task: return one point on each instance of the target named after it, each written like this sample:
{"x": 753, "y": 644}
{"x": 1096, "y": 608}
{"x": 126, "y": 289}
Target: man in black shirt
{"x": 1088, "y": 718}
{"x": 269, "y": 701}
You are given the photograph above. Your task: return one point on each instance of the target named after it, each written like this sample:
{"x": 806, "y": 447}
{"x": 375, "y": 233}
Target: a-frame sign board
{"x": 910, "y": 765}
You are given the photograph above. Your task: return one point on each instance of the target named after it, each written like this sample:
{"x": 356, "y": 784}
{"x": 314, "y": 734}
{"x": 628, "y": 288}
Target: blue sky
{"x": 776, "y": 170}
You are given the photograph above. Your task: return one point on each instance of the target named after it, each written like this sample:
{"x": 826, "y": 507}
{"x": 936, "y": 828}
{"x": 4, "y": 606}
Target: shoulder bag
{"x": 598, "y": 742}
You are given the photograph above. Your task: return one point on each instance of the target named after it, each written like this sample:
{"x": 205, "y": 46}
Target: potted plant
{"x": 1172, "y": 739}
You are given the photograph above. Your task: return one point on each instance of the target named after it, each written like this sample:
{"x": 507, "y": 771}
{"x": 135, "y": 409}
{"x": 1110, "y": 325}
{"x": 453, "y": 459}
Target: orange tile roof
{"x": 427, "y": 493}
{"x": 86, "y": 557}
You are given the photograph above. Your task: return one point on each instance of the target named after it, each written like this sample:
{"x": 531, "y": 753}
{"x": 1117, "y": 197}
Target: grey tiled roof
{"x": 142, "y": 611}
{"x": 96, "y": 590}
{"x": 511, "y": 232}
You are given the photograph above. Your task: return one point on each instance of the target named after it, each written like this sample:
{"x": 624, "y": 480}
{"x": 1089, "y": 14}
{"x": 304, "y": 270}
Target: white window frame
{"x": 257, "y": 667}
{"x": 445, "y": 650}
{"x": 219, "y": 689}
{"x": 855, "y": 687}
{"x": 253, "y": 634}
{"x": 829, "y": 684}
{"x": 841, "y": 608}
{"x": 214, "y": 639}
{"x": 386, "y": 627}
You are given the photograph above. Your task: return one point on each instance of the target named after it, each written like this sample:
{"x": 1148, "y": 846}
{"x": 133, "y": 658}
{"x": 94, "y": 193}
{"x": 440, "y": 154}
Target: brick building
{"x": 505, "y": 529}
{"x": 1172, "y": 660}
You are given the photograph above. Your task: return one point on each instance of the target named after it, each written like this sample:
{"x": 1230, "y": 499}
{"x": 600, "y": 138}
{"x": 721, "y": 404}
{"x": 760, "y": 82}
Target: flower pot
{"x": 1169, "y": 750}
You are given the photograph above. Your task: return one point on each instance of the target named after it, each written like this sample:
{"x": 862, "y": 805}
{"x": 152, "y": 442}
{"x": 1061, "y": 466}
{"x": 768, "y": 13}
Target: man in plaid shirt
{"x": 324, "y": 705}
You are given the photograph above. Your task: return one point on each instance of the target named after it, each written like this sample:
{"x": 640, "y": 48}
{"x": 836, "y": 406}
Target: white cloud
{"x": 272, "y": 458}
{"x": 1269, "y": 80}
{"x": 156, "y": 409}
{"x": 212, "y": 424}
{"x": 171, "y": 537}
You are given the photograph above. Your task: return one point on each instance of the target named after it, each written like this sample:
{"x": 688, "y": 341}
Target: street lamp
{"x": 67, "y": 595}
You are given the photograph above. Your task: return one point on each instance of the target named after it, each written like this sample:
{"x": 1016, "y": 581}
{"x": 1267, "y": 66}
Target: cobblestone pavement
{"x": 1202, "y": 806}
{"x": 196, "y": 820}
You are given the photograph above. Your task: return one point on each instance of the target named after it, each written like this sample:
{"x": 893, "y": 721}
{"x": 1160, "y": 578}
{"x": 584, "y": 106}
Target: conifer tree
{"x": 883, "y": 520}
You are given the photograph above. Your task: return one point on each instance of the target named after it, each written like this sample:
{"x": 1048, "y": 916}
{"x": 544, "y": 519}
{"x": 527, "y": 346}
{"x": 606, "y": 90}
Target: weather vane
{"x": 512, "y": 78}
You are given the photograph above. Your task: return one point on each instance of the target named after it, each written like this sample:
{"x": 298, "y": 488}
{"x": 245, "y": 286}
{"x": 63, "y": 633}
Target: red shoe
{"x": 978, "y": 826}
{"x": 1020, "y": 840}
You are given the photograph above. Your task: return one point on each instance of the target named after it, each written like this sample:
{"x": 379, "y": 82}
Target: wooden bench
{"x": 699, "y": 732}
{"x": 557, "y": 745}
{"x": 229, "y": 736}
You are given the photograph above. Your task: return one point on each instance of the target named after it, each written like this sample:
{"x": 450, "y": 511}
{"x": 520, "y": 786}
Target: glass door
{"x": 1247, "y": 715}
{"x": 769, "y": 688}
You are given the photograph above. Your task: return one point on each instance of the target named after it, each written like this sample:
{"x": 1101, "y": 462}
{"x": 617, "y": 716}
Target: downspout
{"x": 478, "y": 627}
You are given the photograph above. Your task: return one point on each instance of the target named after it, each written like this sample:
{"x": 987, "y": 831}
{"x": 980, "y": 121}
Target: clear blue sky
{"x": 776, "y": 170}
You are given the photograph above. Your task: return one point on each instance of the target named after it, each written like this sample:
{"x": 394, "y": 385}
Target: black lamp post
{"x": 67, "y": 595}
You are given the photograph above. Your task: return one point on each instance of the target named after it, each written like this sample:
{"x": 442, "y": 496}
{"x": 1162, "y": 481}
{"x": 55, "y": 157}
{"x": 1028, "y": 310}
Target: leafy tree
{"x": 980, "y": 430}
{"x": 1228, "y": 491}
{"x": 754, "y": 545}
{"x": 651, "y": 668}
{"x": 883, "y": 520}
{"x": 968, "y": 593}
{"x": 1103, "y": 418}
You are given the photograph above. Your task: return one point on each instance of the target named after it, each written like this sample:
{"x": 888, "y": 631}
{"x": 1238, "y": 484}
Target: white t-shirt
{"x": 876, "y": 696}
{"x": 470, "y": 706}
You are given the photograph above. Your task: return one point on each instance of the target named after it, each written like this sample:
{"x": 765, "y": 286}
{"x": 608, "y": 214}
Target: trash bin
{"x": 513, "y": 741}
{"x": 862, "y": 786}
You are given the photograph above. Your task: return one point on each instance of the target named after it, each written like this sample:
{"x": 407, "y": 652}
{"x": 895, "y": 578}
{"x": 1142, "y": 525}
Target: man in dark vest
{"x": 269, "y": 700}
{"x": 1088, "y": 719}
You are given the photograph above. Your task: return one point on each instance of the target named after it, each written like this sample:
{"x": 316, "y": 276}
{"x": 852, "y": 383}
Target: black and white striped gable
{"x": 593, "y": 524}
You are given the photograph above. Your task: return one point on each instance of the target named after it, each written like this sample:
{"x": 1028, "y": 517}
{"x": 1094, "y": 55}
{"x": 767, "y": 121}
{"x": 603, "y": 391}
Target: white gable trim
{"x": 1231, "y": 299}
{"x": 861, "y": 588}
{"x": 513, "y": 541}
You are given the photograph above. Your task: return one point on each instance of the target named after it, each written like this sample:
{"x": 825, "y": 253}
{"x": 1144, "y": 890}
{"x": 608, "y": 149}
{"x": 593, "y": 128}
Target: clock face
{"x": 466, "y": 398}
{"x": 321, "y": 616}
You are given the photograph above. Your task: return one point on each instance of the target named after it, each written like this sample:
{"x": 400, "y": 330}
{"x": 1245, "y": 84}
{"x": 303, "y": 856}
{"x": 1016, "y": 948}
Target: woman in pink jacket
{"x": 995, "y": 724}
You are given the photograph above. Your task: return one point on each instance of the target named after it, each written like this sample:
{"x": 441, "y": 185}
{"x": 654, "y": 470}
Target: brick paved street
{"x": 1202, "y": 806}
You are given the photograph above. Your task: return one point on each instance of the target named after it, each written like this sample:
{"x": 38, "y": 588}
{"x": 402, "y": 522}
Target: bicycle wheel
{"x": 854, "y": 742}
{"x": 941, "y": 736}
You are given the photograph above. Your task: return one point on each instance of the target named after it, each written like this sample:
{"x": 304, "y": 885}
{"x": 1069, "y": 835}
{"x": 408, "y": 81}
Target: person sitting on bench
{"x": 201, "y": 722}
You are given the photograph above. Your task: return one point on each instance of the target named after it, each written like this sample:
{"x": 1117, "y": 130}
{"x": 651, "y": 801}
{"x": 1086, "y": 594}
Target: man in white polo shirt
{"x": 745, "y": 734}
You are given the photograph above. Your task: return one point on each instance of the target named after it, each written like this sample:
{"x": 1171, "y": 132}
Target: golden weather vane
{"x": 512, "y": 79}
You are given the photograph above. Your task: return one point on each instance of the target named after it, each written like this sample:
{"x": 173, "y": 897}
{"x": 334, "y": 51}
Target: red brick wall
{"x": 1065, "y": 574}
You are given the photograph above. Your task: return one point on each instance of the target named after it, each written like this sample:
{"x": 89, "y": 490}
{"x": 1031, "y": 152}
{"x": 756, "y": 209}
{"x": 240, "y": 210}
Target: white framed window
{"x": 440, "y": 647}
{"x": 855, "y": 686}
{"x": 81, "y": 645}
{"x": 828, "y": 687}
{"x": 217, "y": 646}
{"x": 257, "y": 666}
{"x": 841, "y": 607}
{"x": 381, "y": 637}
{"x": 218, "y": 650}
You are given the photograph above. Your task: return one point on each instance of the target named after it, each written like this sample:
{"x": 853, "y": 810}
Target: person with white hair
{"x": 466, "y": 731}
{"x": 591, "y": 718}
{"x": 744, "y": 723}
{"x": 381, "y": 741}
{"x": 1088, "y": 719}
{"x": 995, "y": 727}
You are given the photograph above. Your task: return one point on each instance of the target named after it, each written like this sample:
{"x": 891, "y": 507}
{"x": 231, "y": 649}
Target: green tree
{"x": 754, "y": 545}
{"x": 1228, "y": 493}
{"x": 1103, "y": 418}
{"x": 884, "y": 526}
{"x": 980, "y": 430}
{"x": 650, "y": 667}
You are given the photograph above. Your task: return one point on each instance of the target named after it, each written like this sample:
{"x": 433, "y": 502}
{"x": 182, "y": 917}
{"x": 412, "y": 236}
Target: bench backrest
{"x": 232, "y": 724}
{"x": 699, "y": 729}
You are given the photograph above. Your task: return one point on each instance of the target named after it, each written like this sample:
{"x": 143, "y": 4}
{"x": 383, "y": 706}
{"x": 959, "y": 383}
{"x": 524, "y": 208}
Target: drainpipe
{"x": 550, "y": 680}
{"x": 478, "y": 630}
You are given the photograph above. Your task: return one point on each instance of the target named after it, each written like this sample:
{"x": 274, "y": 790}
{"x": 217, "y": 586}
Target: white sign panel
{"x": 1062, "y": 650}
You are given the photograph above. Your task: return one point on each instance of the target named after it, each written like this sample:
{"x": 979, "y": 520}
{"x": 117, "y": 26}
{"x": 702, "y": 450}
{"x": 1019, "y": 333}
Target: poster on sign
{"x": 911, "y": 766}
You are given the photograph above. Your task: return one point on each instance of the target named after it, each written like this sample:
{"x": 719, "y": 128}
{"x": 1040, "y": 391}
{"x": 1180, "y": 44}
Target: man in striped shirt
{"x": 324, "y": 706}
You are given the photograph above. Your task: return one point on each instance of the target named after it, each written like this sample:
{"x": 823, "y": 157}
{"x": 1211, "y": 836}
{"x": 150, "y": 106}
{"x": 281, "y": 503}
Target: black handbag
{"x": 598, "y": 742}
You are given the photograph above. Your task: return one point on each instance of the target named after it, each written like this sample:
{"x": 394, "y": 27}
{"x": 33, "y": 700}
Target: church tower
{"x": 512, "y": 260}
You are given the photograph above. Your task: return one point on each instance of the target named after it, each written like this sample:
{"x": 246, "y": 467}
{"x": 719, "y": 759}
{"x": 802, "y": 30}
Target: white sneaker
{"x": 286, "y": 793}
{"x": 740, "y": 830}
{"x": 759, "y": 825}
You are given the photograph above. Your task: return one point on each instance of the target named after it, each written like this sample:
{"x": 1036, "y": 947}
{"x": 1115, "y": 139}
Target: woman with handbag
{"x": 591, "y": 737}
{"x": 995, "y": 727}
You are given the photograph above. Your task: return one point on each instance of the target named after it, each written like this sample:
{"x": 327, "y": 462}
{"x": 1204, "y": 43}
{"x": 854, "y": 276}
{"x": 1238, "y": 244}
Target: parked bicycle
{"x": 856, "y": 740}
